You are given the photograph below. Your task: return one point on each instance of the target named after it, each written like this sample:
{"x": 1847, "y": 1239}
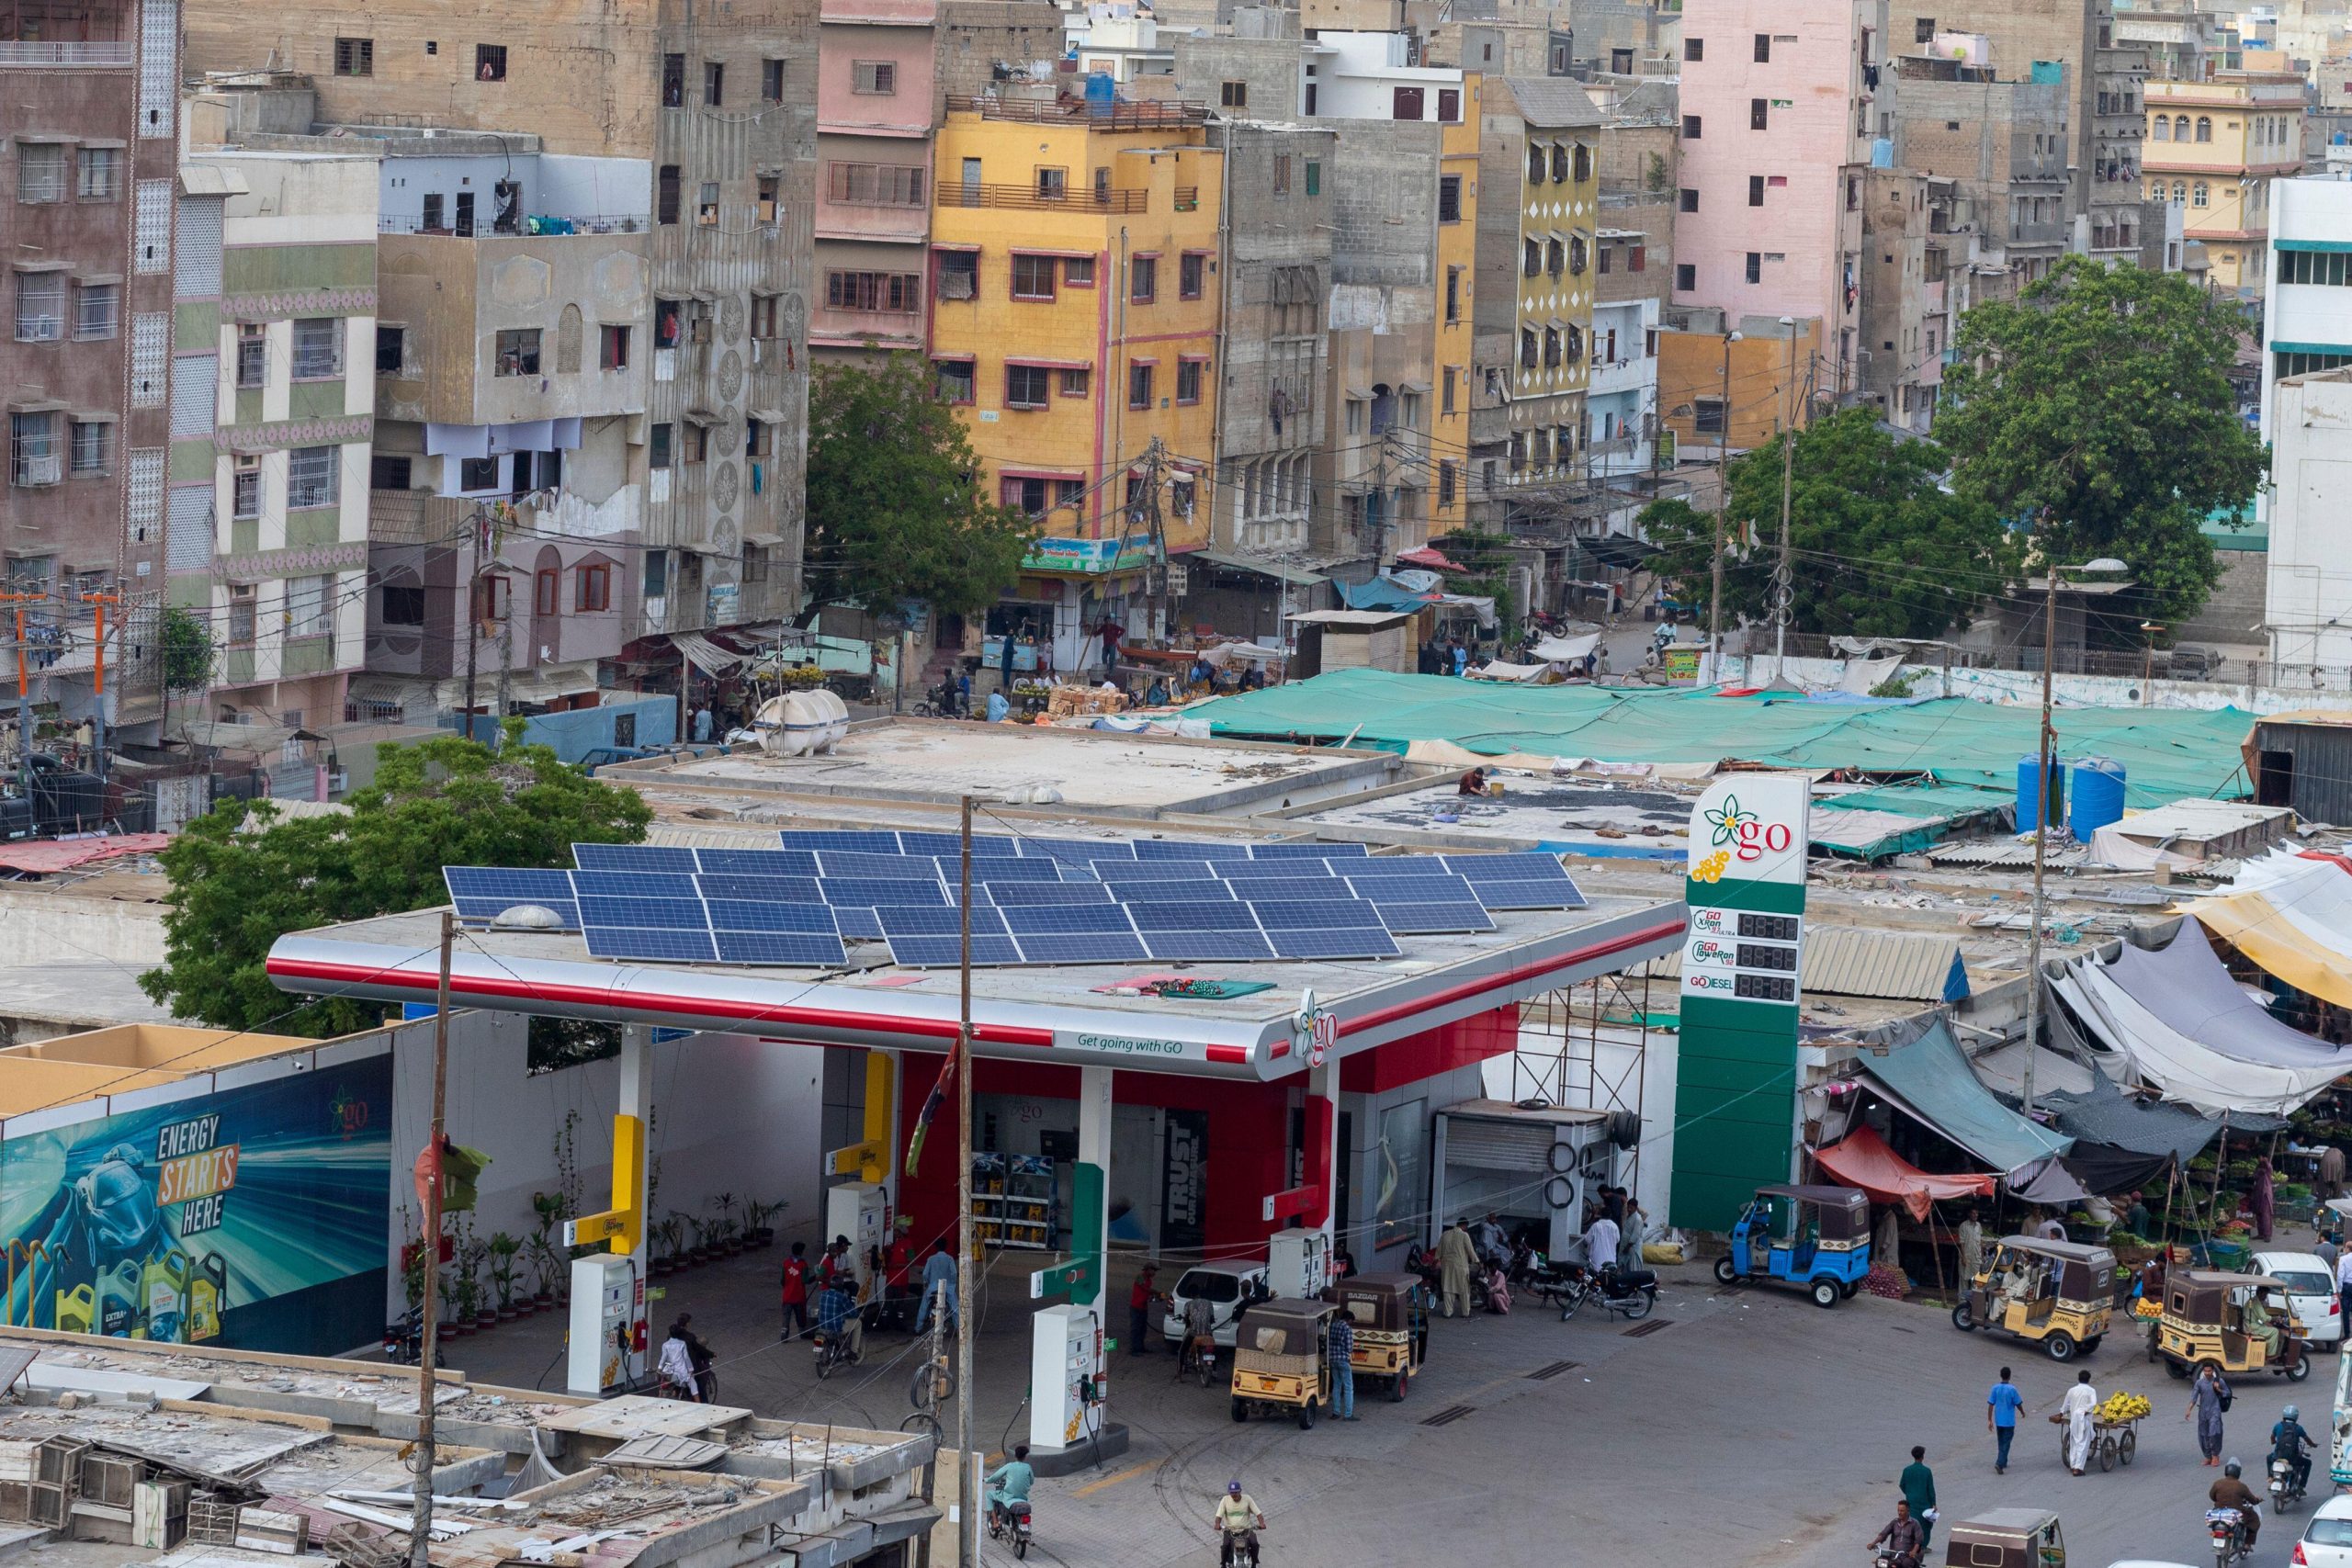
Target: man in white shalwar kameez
{"x": 2081, "y": 1400}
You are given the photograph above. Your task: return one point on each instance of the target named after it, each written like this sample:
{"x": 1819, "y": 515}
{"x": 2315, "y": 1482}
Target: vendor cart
{"x": 2112, "y": 1442}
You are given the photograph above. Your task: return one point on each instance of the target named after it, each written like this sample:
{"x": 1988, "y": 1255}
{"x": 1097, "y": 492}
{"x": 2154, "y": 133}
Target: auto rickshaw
{"x": 2007, "y": 1538}
{"x": 2058, "y": 1293}
{"x": 1391, "y": 1315}
{"x": 2208, "y": 1317}
{"x": 1817, "y": 1237}
{"x": 1282, "y": 1359}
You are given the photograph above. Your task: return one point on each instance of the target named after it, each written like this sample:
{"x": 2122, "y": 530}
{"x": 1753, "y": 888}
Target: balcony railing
{"x": 53, "y": 56}
{"x": 1029, "y": 199}
{"x": 1118, "y": 115}
{"x": 529, "y": 225}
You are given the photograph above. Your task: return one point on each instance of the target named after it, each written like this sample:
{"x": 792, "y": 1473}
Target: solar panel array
{"x": 1034, "y": 900}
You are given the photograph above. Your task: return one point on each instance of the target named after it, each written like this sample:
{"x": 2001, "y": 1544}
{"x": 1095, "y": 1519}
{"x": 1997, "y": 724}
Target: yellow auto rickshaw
{"x": 1390, "y": 1314}
{"x": 1281, "y": 1361}
{"x": 2237, "y": 1323}
{"x": 2059, "y": 1294}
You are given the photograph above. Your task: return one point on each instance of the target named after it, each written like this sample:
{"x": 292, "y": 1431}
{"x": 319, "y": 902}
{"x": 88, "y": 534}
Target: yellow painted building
{"x": 1457, "y": 258}
{"x": 2213, "y": 149}
{"x": 1074, "y": 319}
{"x": 1558, "y": 200}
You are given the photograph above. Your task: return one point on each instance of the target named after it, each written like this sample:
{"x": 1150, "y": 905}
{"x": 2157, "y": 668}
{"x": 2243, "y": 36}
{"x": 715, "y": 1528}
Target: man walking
{"x": 1343, "y": 1371}
{"x": 938, "y": 1286}
{"x": 2001, "y": 1407}
{"x": 1919, "y": 1485}
{"x": 1971, "y": 1250}
{"x": 795, "y": 1291}
{"x": 2207, "y": 1400}
{"x": 1455, "y": 1257}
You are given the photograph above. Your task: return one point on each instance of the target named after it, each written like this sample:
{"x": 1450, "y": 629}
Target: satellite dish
{"x": 527, "y": 918}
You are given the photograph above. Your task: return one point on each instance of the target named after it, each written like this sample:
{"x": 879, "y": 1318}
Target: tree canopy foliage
{"x": 1877, "y": 548}
{"x": 2096, "y": 410}
{"x": 895, "y": 507}
{"x": 242, "y": 878}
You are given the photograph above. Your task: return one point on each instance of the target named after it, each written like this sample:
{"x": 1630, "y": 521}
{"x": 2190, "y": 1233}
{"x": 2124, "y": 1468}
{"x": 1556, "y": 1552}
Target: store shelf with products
{"x": 1014, "y": 1203}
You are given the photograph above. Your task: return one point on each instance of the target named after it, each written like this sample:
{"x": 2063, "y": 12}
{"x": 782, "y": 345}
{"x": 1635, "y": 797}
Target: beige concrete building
{"x": 2213, "y": 148}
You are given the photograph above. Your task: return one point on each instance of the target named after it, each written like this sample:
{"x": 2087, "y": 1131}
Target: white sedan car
{"x": 2311, "y": 1290}
{"x": 2327, "y": 1537}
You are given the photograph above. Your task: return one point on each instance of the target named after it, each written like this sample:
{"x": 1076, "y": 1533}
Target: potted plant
{"x": 669, "y": 1240}
{"x": 729, "y": 1241}
{"x": 547, "y": 1269}
{"x": 456, "y": 1312}
{"x": 503, "y": 1250}
{"x": 760, "y": 1217}
{"x": 699, "y": 1250}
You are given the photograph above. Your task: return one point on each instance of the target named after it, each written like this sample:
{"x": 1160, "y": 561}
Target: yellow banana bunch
{"x": 2123, "y": 1407}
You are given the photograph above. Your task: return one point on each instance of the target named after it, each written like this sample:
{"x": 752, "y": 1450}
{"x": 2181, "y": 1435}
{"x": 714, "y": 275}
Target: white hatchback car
{"x": 1226, "y": 1287}
{"x": 2311, "y": 1290}
{"x": 2327, "y": 1536}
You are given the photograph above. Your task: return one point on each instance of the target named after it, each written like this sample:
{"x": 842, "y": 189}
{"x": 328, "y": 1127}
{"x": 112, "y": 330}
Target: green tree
{"x": 895, "y": 507}
{"x": 187, "y": 652}
{"x": 2097, "y": 409}
{"x": 1877, "y": 548}
{"x": 1487, "y": 560}
{"x": 241, "y": 878}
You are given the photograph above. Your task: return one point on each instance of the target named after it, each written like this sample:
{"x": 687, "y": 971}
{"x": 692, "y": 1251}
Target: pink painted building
{"x": 874, "y": 100}
{"x": 1783, "y": 103}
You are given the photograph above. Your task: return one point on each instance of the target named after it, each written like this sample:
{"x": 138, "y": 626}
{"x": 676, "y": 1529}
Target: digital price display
{"x": 1768, "y": 928}
{"x": 1754, "y": 955}
{"x": 1765, "y": 987}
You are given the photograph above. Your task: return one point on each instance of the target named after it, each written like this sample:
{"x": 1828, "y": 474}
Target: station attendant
{"x": 1139, "y": 1302}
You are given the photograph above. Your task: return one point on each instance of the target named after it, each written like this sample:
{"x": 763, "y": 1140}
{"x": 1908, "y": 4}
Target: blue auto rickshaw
{"x": 1817, "y": 1237}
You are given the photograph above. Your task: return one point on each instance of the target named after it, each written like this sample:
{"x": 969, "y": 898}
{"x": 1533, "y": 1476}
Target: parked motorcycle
{"x": 1631, "y": 1291}
{"x": 1010, "y": 1522}
{"x": 834, "y": 1351}
{"x": 2227, "y": 1528}
{"x": 2285, "y": 1490}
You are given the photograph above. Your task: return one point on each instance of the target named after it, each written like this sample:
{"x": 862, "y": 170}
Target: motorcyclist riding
{"x": 1009, "y": 1482}
{"x": 2290, "y": 1442}
{"x": 1903, "y": 1537}
{"x": 2232, "y": 1493}
{"x": 1237, "y": 1519}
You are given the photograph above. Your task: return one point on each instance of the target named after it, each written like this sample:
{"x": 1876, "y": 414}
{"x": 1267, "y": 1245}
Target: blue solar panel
{"x": 632, "y": 885}
{"x": 996, "y": 846}
{"x": 1075, "y": 851}
{"x": 1206, "y": 947}
{"x": 852, "y": 840}
{"x": 737, "y": 914}
{"x": 781, "y": 947}
{"x": 1411, "y": 919}
{"x": 1207, "y": 917}
{"x": 1008, "y": 894}
{"x": 857, "y": 923}
{"x": 1201, "y": 892}
{"x": 631, "y": 857}
{"x": 1525, "y": 866}
{"x": 947, "y": 952}
{"x": 1316, "y": 914}
{"x": 1257, "y": 887}
{"x": 1306, "y": 851}
{"x": 1441, "y": 888}
{"x": 1360, "y": 941}
{"x": 1529, "y": 895}
{"x": 1065, "y": 920}
{"x": 668, "y": 913}
{"x": 756, "y": 863}
{"x": 867, "y": 892}
{"x": 1188, "y": 849}
{"x": 668, "y": 946}
{"x": 918, "y": 920}
{"x": 1152, "y": 870}
{"x": 1083, "y": 947}
{"x": 486, "y": 892}
{"x": 846, "y": 862}
{"x": 1005, "y": 869}
{"x": 773, "y": 889}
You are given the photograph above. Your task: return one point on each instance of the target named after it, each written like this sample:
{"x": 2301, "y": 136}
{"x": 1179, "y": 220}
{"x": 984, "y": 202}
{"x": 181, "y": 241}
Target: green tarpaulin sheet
{"x": 2167, "y": 754}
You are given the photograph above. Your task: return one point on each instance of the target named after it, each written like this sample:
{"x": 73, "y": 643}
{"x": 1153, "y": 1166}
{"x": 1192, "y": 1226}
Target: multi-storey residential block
{"x": 1900, "y": 370}
{"x": 1074, "y": 320}
{"x": 2005, "y": 140}
{"x": 2307, "y": 305}
{"x": 876, "y": 98}
{"x": 2213, "y": 149}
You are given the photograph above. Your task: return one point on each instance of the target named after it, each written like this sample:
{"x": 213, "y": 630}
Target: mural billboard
{"x": 251, "y": 1217}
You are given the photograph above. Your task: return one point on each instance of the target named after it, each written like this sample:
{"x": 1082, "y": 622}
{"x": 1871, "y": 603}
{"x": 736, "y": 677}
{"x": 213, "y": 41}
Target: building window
{"x": 1551, "y": 348}
{"x": 1077, "y": 383}
{"x": 92, "y": 447}
{"x": 392, "y": 349}
{"x": 1759, "y": 114}
{"x": 1078, "y": 272}
{"x": 714, "y": 83}
{"x": 1755, "y": 267}
{"x": 402, "y": 607}
{"x": 355, "y": 57}
{"x": 1530, "y": 260}
{"x": 1022, "y": 494}
{"x": 665, "y": 201}
{"x": 1143, "y": 280}
{"x": 40, "y": 170}
{"x": 1688, "y": 200}
{"x": 97, "y": 310}
{"x": 1694, "y": 49}
{"x": 765, "y": 206}
{"x": 1027, "y": 386}
{"x": 955, "y": 381}
{"x": 98, "y": 173}
{"x": 657, "y": 573}
{"x": 1449, "y": 105}
{"x": 245, "y": 490}
{"x": 1315, "y": 176}
{"x": 612, "y": 350}
{"x": 40, "y": 307}
{"x": 476, "y": 474}
{"x": 489, "y": 599}
{"x": 1577, "y": 255}
{"x": 1756, "y": 190}
{"x": 518, "y": 351}
{"x": 772, "y": 81}
{"x": 591, "y": 588}
{"x": 1453, "y": 294}
{"x": 674, "y": 81}
{"x": 1691, "y": 127}
{"x": 1445, "y": 471}
{"x": 310, "y": 607}
{"x": 1032, "y": 277}
{"x": 2198, "y": 194}
{"x": 1707, "y": 416}
{"x": 33, "y": 457}
{"x": 658, "y": 445}
{"x": 1449, "y": 199}
{"x": 2204, "y": 127}
{"x": 1233, "y": 95}
{"x": 875, "y": 184}
{"x": 1527, "y": 348}
{"x": 312, "y": 476}
{"x": 1190, "y": 267}
{"x": 1535, "y": 165}
{"x": 875, "y": 76}
{"x": 386, "y": 472}
{"x": 1282, "y": 175}
{"x": 1763, "y": 49}
{"x": 1555, "y": 257}
{"x": 546, "y": 592}
{"x": 1140, "y": 385}
{"x": 1406, "y": 103}
{"x": 490, "y": 62}
{"x": 896, "y": 293}
{"x": 1686, "y": 277}
{"x": 241, "y": 615}
{"x": 706, "y": 206}
{"x": 1188, "y": 381}
{"x": 318, "y": 348}
{"x": 2162, "y": 128}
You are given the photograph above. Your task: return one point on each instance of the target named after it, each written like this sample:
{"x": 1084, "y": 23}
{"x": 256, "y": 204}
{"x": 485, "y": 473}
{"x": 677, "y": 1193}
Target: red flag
{"x": 931, "y": 1105}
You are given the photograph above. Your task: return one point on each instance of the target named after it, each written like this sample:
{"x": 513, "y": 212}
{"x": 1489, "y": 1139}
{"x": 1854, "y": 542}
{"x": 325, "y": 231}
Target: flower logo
{"x": 1728, "y": 818}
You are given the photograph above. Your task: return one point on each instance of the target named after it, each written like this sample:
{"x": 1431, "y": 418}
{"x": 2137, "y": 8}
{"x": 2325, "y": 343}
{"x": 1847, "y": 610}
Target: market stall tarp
{"x": 1567, "y": 649}
{"x": 1495, "y": 669}
{"x": 2166, "y": 753}
{"x": 2297, "y": 924}
{"x": 1863, "y": 1159}
{"x": 2180, "y": 1067}
{"x": 1931, "y": 1080}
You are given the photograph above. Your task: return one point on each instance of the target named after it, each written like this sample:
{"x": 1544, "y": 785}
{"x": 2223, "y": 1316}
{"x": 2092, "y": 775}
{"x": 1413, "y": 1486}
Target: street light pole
{"x": 2043, "y": 746}
{"x": 1722, "y": 491}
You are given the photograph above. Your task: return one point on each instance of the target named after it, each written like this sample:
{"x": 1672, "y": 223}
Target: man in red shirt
{"x": 795, "y": 1291}
{"x": 1139, "y": 1302}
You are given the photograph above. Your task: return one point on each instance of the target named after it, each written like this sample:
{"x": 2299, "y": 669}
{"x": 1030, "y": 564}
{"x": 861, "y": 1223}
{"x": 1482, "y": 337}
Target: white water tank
{"x": 802, "y": 722}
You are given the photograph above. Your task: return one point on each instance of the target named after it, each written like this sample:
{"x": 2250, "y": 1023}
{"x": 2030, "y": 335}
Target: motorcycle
{"x": 2285, "y": 1490}
{"x": 1240, "y": 1550}
{"x": 1629, "y": 1291}
{"x": 2227, "y": 1528}
{"x": 1198, "y": 1358}
{"x": 1010, "y": 1522}
{"x": 404, "y": 1340}
{"x": 833, "y": 1350}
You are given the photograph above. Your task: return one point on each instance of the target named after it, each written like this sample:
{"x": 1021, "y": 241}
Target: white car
{"x": 2311, "y": 1291}
{"x": 2327, "y": 1537}
{"x": 1226, "y": 1287}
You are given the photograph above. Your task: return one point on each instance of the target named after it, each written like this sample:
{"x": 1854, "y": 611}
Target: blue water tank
{"x": 2027, "y": 793}
{"x": 2098, "y": 797}
{"x": 1102, "y": 93}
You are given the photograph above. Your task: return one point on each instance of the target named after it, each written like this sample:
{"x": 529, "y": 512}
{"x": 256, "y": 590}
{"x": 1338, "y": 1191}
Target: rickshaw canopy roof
{"x": 1286, "y": 1327}
{"x": 1388, "y": 1295}
{"x": 1827, "y": 1196}
{"x": 2226, "y": 1280}
{"x": 2015, "y": 1521}
{"x": 2071, "y": 1251}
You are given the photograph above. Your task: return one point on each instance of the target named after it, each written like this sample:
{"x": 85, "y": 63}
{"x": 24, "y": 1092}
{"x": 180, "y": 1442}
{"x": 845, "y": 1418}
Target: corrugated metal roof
{"x": 1848, "y": 961}
{"x": 1550, "y": 103}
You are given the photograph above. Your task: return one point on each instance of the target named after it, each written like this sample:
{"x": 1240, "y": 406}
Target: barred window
{"x": 311, "y": 475}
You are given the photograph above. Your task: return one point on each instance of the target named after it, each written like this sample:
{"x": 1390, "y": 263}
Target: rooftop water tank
{"x": 2098, "y": 797}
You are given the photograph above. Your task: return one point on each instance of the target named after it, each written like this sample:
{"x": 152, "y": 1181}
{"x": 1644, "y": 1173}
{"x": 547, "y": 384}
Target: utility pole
{"x": 484, "y": 524}
{"x": 2042, "y": 747}
{"x": 1723, "y": 492}
{"x": 428, "y": 1321}
{"x": 1783, "y": 585}
{"x": 24, "y": 695}
{"x": 967, "y": 1491}
{"x": 1154, "y": 458}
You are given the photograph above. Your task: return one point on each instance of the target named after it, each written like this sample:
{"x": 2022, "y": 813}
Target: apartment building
{"x": 877, "y": 94}
{"x": 1075, "y": 298}
{"x": 88, "y": 149}
{"x": 2183, "y": 40}
{"x": 2307, "y": 306}
{"x": 2214, "y": 148}
{"x": 1538, "y": 240}
{"x": 2307, "y": 610}
{"x": 1899, "y": 368}
{"x": 2005, "y": 141}
{"x": 274, "y": 397}
{"x": 1783, "y": 109}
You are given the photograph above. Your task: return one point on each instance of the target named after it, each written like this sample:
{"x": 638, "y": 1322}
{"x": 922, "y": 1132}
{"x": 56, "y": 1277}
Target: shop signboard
{"x": 1093, "y": 556}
